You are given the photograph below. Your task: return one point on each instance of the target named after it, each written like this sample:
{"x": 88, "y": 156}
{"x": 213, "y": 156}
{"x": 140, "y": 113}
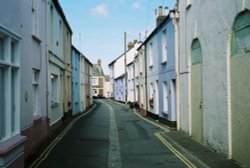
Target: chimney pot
{"x": 160, "y": 11}
{"x": 166, "y": 11}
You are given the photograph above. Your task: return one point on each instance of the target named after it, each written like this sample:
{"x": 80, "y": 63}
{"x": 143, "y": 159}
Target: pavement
{"x": 196, "y": 153}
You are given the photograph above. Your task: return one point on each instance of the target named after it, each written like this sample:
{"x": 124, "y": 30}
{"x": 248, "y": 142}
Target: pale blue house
{"x": 160, "y": 67}
{"x": 76, "y": 102}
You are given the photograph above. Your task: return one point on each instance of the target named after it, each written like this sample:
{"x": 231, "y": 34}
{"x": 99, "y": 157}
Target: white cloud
{"x": 100, "y": 10}
{"x": 136, "y": 5}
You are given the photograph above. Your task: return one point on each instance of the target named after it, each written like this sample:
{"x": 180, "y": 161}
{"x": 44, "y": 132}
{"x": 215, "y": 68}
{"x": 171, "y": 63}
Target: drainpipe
{"x": 134, "y": 80}
{"x": 146, "y": 77}
{"x": 125, "y": 64}
{"x": 177, "y": 62}
{"x": 46, "y": 63}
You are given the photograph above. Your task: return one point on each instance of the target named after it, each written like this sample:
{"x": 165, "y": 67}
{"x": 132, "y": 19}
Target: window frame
{"x": 10, "y": 123}
{"x": 164, "y": 47}
{"x": 238, "y": 27}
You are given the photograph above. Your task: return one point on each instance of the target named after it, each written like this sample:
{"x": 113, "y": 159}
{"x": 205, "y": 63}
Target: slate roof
{"x": 97, "y": 70}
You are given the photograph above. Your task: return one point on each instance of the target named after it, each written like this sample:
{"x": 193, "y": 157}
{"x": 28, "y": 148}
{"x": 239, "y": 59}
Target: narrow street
{"x": 111, "y": 135}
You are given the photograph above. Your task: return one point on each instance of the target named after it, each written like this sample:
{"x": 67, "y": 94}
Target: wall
{"x": 215, "y": 42}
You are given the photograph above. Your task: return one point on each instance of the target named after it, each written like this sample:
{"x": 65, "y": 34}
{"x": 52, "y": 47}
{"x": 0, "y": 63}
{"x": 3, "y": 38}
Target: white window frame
{"x": 150, "y": 54}
{"x": 35, "y": 10}
{"x": 165, "y": 98}
{"x": 164, "y": 46}
{"x": 54, "y": 89}
{"x": 35, "y": 83}
{"x": 10, "y": 110}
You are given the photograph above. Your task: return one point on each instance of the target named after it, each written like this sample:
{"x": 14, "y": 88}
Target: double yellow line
{"x": 51, "y": 146}
{"x": 175, "y": 151}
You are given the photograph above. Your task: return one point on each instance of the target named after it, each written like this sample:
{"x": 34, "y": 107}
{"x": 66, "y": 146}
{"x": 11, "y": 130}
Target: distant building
{"x": 122, "y": 74}
{"x": 76, "y": 85}
{"x": 81, "y": 86}
{"x": 98, "y": 80}
{"x": 107, "y": 87}
{"x": 86, "y": 69}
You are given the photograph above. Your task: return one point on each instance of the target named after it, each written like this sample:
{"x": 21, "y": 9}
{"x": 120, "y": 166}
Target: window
{"x": 150, "y": 54}
{"x": 151, "y": 95}
{"x": 94, "y": 81}
{"x": 36, "y": 93}
{"x": 165, "y": 97}
{"x": 196, "y": 52}
{"x": 35, "y": 17}
{"x": 164, "y": 46}
{"x": 2, "y": 102}
{"x": 1, "y": 48}
{"x": 54, "y": 80}
{"x": 241, "y": 35}
{"x": 100, "y": 81}
{"x": 51, "y": 26}
{"x": 9, "y": 85}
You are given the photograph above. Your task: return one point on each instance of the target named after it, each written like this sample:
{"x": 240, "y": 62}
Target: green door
{"x": 196, "y": 91}
{"x": 240, "y": 89}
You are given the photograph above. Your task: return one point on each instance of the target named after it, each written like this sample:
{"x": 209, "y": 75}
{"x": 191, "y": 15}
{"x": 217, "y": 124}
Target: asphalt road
{"x": 110, "y": 136}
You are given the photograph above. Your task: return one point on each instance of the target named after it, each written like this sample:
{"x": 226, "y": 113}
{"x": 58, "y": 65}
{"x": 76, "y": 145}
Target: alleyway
{"x": 112, "y": 135}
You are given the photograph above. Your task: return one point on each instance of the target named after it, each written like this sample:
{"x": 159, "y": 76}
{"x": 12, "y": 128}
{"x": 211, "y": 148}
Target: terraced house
{"x": 214, "y": 80}
{"x": 35, "y": 75}
{"x": 59, "y": 38}
{"x": 161, "y": 66}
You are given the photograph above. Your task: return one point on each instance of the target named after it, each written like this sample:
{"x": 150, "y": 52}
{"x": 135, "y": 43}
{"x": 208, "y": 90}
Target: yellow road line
{"x": 51, "y": 146}
{"x": 151, "y": 122}
{"x": 175, "y": 151}
{"x": 143, "y": 118}
{"x": 164, "y": 141}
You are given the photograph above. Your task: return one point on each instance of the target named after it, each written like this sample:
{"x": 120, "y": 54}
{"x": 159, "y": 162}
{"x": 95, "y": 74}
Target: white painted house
{"x": 23, "y": 76}
{"x": 122, "y": 74}
{"x": 140, "y": 80}
{"x": 130, "y": 66}
{"x": 214, "y": 75}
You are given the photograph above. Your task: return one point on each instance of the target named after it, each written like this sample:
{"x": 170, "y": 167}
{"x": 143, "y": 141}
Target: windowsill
{"x": 164, "y": 62}
{"x": 35, "y": 37}
{"x": 188, "y": 6}
{"x": 53, "y": 105}
{"x": 13, "y": 143}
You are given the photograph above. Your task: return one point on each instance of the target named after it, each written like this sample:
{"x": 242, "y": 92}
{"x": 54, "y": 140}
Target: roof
{"x": 167, "y": 18}
{"x": 97, "y": 70}
{"x": 81, "y": 54}
{"x": 58, "y": 7}
{"x": 139, "y": 42}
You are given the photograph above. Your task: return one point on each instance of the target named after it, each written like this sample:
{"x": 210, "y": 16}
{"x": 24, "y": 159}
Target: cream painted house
{"x": 59, "y": 40}
{"x": 98, "y": 80}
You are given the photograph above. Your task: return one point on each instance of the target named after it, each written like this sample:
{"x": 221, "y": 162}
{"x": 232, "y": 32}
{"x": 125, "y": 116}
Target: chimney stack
{"x": 130, "y": 45}
{"x": 161, "y": 16}
{"x": 166, "y": 11}
{"x": 99, "y": 62}
{"x": 160, "y": 11}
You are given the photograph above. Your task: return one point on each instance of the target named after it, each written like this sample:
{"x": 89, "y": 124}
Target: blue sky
{"x": 98, "y": 25}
